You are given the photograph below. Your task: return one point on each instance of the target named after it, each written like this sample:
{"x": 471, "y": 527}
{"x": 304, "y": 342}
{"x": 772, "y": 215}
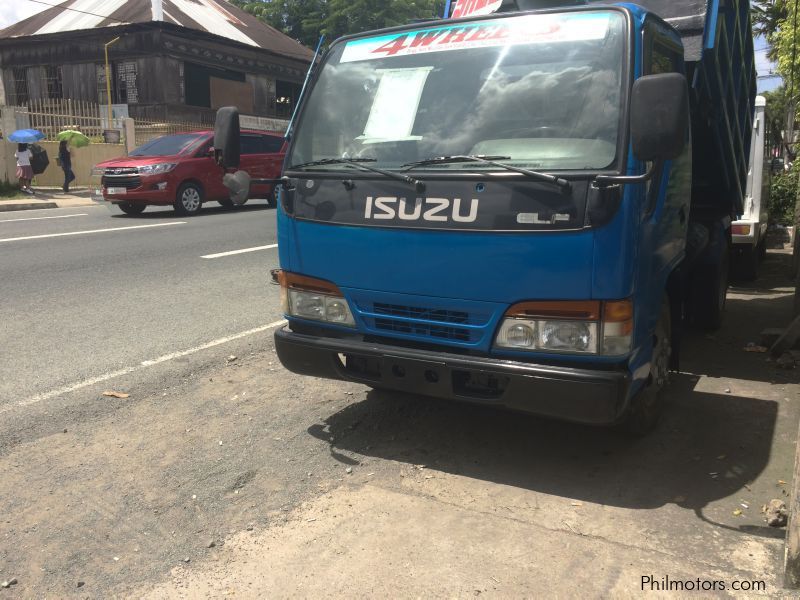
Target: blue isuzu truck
{"x": 519, "y": 208}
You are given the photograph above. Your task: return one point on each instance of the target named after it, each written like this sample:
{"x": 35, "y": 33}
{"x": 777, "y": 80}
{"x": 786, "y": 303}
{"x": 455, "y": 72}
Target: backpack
{"x": 39, "y": 159}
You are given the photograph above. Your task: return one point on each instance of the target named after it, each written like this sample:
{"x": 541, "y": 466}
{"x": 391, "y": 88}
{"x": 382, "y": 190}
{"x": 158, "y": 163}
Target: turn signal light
{"x": 316, "y": 299}
{"x": 741, "y": 229}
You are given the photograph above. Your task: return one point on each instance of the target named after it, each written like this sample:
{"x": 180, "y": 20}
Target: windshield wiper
{"x": 419, "y": 186}
{"x": 491, "y": 160}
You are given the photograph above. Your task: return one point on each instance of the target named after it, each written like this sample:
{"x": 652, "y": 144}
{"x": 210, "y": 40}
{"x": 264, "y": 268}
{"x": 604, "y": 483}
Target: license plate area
{"x": 413, "y": 375}
{"x": 116, "y": 190}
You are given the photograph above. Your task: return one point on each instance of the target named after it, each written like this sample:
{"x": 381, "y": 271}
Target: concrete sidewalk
{"x": 48, "y": 198}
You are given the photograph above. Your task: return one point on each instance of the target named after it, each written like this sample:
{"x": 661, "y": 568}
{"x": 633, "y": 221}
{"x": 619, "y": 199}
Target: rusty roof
{"x": 216, "y": 17}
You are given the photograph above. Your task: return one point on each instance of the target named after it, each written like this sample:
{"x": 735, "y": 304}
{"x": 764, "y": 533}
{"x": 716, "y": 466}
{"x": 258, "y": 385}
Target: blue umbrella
{"x": 26, "y": 136}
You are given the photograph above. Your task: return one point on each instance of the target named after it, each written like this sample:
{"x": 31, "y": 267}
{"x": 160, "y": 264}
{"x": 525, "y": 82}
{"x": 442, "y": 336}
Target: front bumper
{"x": 582, "y": 395}
{"x": 152, "y": 189}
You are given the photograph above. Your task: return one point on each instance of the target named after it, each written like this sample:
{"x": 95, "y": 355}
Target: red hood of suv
{"x": 138, "y": 161}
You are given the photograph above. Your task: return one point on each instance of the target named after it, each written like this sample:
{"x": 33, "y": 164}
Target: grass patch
{"x": 8, "y": 191}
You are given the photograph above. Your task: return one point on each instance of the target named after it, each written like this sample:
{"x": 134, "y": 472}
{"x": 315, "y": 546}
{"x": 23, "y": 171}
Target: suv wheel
{"x": 189, "y": 199}
{"x": 130, "y": 208}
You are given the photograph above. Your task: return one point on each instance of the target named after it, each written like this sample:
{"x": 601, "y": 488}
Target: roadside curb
{"x": 6, "y": 207}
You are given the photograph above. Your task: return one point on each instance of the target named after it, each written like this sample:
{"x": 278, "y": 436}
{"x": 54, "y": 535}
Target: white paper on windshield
{"x": 527, "y": 29}
{"x": 394, "y": 108}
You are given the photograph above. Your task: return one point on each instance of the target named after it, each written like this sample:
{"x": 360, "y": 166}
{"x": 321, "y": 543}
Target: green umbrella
{"x": 73, "y": 138}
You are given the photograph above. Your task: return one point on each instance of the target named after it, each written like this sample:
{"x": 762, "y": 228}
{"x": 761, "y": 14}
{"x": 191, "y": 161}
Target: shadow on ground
{"x": 711, "y": 444}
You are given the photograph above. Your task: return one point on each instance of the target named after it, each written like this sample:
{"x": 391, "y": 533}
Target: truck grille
{"x": 436, "y": 323}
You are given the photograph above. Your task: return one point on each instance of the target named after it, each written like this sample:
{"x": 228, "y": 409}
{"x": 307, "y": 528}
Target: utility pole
{"x": 108, "y": 81}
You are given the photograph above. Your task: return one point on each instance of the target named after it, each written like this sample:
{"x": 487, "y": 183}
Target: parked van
{"x": 180, "y": 170}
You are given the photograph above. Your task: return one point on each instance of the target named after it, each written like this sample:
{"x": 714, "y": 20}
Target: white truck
{"x": 749, "y": 232}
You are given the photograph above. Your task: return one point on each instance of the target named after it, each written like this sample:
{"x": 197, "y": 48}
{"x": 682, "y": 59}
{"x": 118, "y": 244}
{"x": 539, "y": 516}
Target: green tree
{"x": 767, "y": 16}
{"x": 306, "y": 20}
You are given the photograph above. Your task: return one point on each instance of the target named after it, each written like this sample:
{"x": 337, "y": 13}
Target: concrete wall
{"x": 83, "y": 159}
{"x": 8, "y": 165}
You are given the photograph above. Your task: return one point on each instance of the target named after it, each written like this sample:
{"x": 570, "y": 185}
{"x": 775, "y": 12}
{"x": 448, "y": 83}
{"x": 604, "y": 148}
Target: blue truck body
{"x": 426, "y": 303}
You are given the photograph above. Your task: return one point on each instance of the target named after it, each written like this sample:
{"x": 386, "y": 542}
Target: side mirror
{"x": 239, "y": 186}
{"x": 659, "y": 116}
{"x": 226, "y": 137}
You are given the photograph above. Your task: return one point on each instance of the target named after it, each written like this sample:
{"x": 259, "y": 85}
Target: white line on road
{"x": 141, "y": 365}
{"x": 40, "y": 218}
{"x": 254, "y": 249}
{"x": 50, "y": 235}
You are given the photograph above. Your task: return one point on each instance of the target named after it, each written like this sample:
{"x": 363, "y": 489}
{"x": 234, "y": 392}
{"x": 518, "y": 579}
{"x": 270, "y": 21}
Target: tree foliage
{"x": 783, "y": 196}
{"x": 767, "y": 15}
{"x": 306, "y": 20}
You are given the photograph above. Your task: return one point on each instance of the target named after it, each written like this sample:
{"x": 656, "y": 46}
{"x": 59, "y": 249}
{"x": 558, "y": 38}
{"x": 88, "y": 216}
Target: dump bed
{"x": 718, "y": 47}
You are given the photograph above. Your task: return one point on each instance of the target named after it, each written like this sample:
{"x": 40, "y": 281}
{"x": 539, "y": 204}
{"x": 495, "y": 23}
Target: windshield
{"x": 168, "y": 145}
{"x": 544, "y": 90}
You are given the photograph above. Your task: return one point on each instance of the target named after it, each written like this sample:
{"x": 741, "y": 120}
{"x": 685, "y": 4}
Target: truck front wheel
{"x": 646, "y": 406}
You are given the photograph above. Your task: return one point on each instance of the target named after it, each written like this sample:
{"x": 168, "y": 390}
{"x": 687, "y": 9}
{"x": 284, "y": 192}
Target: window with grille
{"x": 286, "y": 94}
{"x": 52, "y": 81}
{"x": 21, "y": 95}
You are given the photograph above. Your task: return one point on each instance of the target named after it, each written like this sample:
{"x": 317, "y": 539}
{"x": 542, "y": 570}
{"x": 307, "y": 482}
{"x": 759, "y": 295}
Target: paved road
{"x": 79, "y": 305}
{"x": 216, "y": 478}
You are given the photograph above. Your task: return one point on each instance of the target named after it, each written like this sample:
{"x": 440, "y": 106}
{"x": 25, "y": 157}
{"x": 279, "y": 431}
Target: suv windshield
{"x": 168, "y": 145}
{"x": 544, "y": 90}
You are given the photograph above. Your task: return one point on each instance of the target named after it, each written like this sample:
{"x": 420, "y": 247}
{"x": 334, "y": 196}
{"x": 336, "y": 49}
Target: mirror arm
{"x": 609, "y": 180}
{"x": 283, "y": 181}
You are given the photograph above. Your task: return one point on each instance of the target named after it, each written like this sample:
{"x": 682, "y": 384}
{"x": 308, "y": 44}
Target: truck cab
{"x": 510, "y": 208}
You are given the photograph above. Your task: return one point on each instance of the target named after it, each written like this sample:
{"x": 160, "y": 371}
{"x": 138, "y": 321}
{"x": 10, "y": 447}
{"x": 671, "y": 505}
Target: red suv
{"x": 179, "y": 170}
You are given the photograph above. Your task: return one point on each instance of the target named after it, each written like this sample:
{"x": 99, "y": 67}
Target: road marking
{"x": 254, "y": 249}
{"x": 50, "y": 235}
{"x": 40, "y": 218}
{"x": 142, "y": 365}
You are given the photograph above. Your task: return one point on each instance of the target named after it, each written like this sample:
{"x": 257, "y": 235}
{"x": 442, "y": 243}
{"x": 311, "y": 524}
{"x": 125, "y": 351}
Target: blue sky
{"x": 764, "y": 67}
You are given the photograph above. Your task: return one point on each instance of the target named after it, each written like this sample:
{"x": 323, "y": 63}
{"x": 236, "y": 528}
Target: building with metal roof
{"x": 175, "y": 59}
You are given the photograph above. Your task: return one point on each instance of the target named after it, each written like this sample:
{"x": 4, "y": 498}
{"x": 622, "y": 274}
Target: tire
{"x": 646, "y": 407}
{"x": 129, "y": 208}
{"x": 189, "y": 199}
{"x": 747, "y": 264}
{"x": 709, "y": 294}
{"x": 272, "y": 200}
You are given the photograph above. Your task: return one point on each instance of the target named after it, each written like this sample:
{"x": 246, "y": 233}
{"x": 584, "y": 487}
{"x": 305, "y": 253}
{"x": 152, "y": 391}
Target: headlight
{"x": 571, "y": 327}
{"x": 156, "y": 169}
{"x": 97, "y": 172}
{"x": 314, "y": 299}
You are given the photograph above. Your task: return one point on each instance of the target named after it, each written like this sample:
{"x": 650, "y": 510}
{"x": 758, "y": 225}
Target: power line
{"x": 78, "y": 11}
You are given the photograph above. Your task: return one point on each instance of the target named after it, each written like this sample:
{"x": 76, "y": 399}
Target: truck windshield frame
{"x": 592, "y": 140}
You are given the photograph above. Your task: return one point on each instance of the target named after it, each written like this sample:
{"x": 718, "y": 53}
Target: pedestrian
{"x": 24, "y": 170}
{"x": 65, "y": 160}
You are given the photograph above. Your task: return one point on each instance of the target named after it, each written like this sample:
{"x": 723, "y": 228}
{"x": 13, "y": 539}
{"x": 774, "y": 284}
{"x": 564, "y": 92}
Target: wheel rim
{"x": 190, "y": 199}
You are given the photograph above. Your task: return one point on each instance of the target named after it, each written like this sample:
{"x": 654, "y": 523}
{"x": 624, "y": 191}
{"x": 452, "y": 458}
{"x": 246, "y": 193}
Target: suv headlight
{"x": 590, "y": 327}
{"x": 156, "y": 169}
{"x": 315, "y": 299}
{"x": 97, "y": 172}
